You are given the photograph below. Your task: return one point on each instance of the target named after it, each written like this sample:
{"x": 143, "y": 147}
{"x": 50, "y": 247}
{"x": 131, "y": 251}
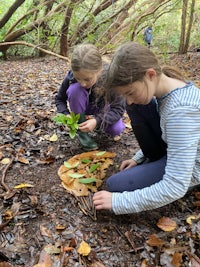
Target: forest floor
{"x": 44, "y": 225}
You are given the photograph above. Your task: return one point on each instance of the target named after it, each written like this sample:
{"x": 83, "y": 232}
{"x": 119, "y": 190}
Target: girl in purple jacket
{"x": 82, "y": 91}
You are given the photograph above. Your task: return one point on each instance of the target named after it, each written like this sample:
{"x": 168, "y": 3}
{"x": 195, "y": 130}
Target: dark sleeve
{"x": 61, "y": 96}
{"x": 113, "y": 114}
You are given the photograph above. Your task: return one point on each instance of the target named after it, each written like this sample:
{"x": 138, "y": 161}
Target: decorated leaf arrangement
{"x": 84, "y": 172}
{"x": 71, "y": 121}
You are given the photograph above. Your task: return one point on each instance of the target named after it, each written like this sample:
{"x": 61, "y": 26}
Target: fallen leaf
{"x": 44, "y": 260}
{"x": 84, "y": 249}
{"x": 44, "y": 231}
{"x": 23, "y": 185}
{"x": 154, "y": 241}
{"x": 23, "y": 160}
{"x": 5, "y": 161}
{"x": 67, "y": 249}
{"x": 53, "y": 138}
{"x": 5, "y": 264}
{"x": 12, "y": 212}
{"x": 97, "y": 264}
{"x": 177, "y": 259}
{"x": 196, "y": 203}
{"x": 190, "y": 218}
{"x": 144, "y": 263}
{"x": 166, "y": 224}
{"x": 51, "y": 249}
{"x": 45, "y": 160}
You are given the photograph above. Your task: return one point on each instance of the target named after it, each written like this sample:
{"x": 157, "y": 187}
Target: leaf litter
{"x": 45, "y": 225}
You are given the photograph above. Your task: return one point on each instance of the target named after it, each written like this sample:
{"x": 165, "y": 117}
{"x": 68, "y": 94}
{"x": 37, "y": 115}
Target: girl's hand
{"x": 88, "y": 125}
{"x": 126, "y": 164}
{"x": 102, "y": 200}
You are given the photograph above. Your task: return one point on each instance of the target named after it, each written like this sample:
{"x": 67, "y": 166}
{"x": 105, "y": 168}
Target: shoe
{"x": 87, "y": 143}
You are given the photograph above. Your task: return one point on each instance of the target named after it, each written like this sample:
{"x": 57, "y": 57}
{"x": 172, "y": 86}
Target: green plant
{"x": 70, "y": 120}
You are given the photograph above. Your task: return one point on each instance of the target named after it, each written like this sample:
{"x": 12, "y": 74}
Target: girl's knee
{"x": 111, "y": 184}
{"x": 116, "y": 129}
{"x": 74, "y": 89}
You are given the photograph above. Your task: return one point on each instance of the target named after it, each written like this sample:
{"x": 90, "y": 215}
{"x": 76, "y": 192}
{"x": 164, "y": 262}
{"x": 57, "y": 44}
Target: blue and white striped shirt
{"x": 180, "y": 123}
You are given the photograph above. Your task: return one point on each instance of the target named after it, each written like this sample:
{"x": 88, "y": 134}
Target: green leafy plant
{"x": 71, "y": 121}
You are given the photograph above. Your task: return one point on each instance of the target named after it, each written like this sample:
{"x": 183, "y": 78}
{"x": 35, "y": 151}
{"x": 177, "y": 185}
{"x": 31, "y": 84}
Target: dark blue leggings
{"x": 137, "y": 177}
{"x": 145, "y": 122}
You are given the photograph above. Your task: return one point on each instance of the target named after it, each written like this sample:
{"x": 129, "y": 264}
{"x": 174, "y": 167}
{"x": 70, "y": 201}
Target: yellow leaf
{"x": 190, "y": 218}
{"x": 23, "y": 186}
{"x": 5, "y": 161}
{"x": 84, "y": 249}
{"x": 53, "y": 138}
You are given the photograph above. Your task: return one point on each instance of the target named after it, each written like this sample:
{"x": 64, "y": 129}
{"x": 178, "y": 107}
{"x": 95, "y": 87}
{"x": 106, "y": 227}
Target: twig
{"x": 86, "y": 207}
{"x": 6, "y": 187}
{"x": 191, "y": 255}
{"x": 62, "y": 259}
{"x": 82, "y": 209}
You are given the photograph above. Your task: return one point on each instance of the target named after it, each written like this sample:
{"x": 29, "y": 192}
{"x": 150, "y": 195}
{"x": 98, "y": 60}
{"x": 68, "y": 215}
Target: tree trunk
{"x": 45, "y": 30}
{"x": 187, "y": 40}
{"x": 10, "y": 12}
{"x": 183, "y": 26}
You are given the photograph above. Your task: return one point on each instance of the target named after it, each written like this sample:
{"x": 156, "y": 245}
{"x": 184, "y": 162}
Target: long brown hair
{"x": 130, "y": 63}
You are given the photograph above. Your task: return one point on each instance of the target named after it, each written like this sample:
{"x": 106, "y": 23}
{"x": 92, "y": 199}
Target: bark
{"x": 183, "y": 26}
{"x": 10, "y": 12}
{"x": 65, "y": 28}
{"x": 8, "y": 44}
{"x": 187, "y": 40}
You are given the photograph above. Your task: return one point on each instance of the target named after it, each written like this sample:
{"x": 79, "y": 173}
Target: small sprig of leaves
{"x": 71, "y": 121}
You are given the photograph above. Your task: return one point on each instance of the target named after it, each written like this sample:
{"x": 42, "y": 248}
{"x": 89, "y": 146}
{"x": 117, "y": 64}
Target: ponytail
{"x": 173, "y": 72}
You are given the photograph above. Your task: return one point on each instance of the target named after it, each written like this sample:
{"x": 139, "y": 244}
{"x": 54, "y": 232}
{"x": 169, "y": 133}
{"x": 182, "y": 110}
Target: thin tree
{"x": 186, "y": 25}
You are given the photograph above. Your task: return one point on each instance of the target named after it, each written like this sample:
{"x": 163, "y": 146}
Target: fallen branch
{"x": 35, "y": 47}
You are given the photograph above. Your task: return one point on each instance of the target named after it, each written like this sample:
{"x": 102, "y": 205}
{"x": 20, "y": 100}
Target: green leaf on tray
{"x": 85, "y": 160}
{"x": 76, "y": 175}
{"x": 87, "y": 180}
{"x": 101, "y": 153}
{"x": 94, "y": 167}
{"x": 69, "y": 166}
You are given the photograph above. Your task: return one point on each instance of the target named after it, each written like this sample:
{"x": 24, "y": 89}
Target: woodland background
{"x": 43, "y": 225}
{"x": 57, "y": 26}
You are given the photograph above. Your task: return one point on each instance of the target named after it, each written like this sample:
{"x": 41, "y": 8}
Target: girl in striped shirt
{"x": 136, "y": 74}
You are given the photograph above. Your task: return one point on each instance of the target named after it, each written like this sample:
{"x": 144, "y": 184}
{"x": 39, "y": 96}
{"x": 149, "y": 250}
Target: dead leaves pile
{"x": 84, "y": 172}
